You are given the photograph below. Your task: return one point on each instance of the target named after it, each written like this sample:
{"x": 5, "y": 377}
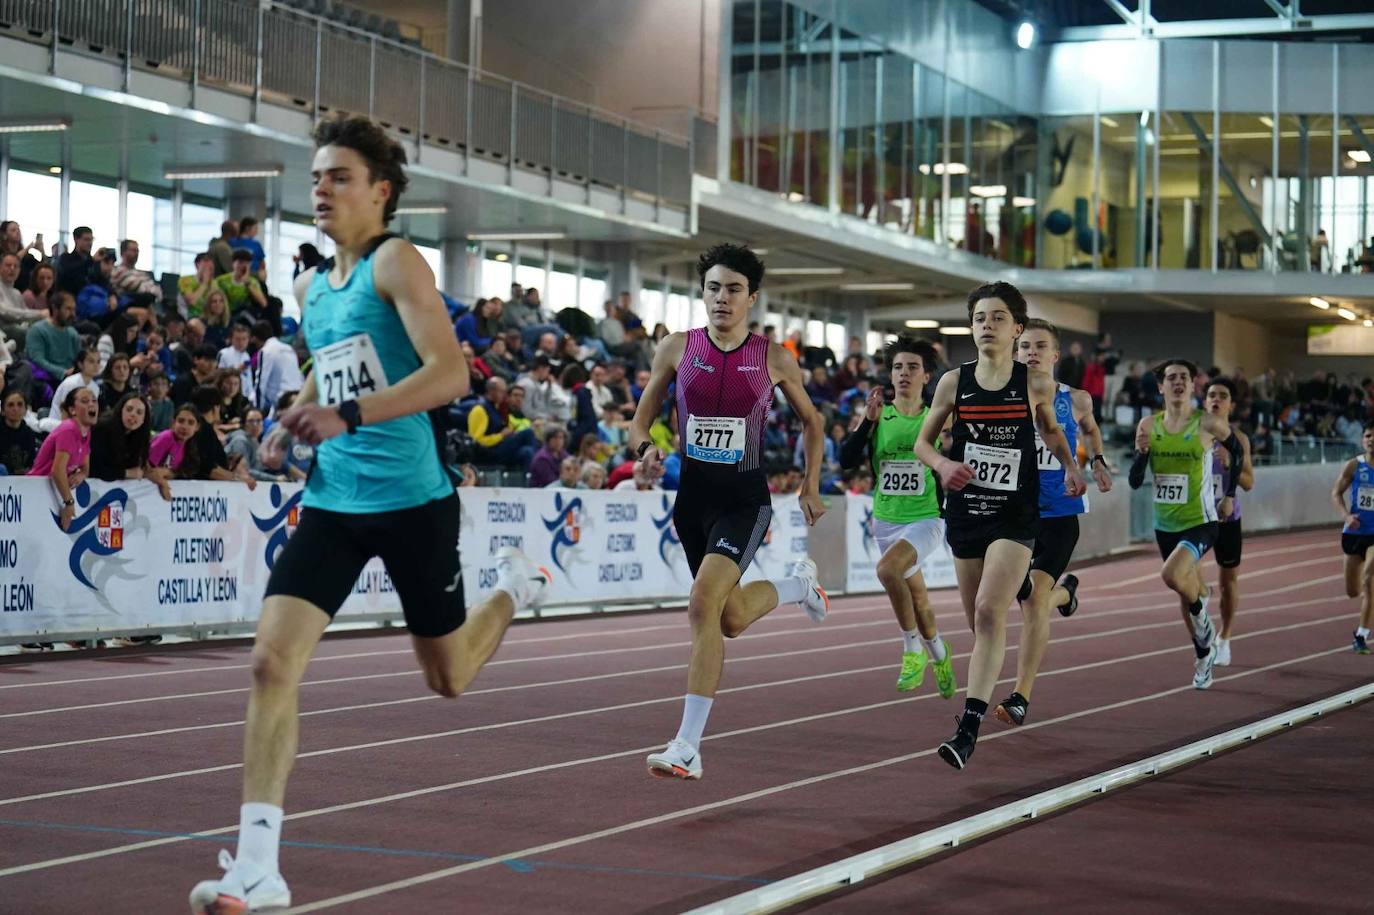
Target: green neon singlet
{"x": 903, "y": 487}
{"x": 1182, "y": 478}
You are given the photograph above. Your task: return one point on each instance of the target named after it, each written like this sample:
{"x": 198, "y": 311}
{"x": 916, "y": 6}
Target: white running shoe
{"x": 244, "y": 888}
{"x": 816, "y": 603}
{"x": 678, "y": 760}
{"x": 1202, "y": 668}
{"x": 1223, "y": 652}
{"x": 518, "y": 576}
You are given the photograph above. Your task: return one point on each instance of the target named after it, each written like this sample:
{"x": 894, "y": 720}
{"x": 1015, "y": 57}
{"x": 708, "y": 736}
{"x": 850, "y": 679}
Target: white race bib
{"x": 901, "y": 478}
{"x": 1044, "y": 457}
{"x": 715, "y": 439}
{"x": 993, "y": 468}
{"x": 347, "y": 370}
{"x": 1171, "y": 488}
{"x": 1364, "y": 501}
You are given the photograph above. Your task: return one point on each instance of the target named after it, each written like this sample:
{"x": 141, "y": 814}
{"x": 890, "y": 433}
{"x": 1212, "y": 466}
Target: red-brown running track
{"x": 121, "y": 772}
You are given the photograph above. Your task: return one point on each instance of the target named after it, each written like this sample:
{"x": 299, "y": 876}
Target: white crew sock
{"x": 911, "y": 641}
{"x": 790, "y": 590}
{"x": 695, "y": 710}
{"x": 1362, "y": 632}
{"x": 260, "y": 835}
{"x": 937, "y": 647}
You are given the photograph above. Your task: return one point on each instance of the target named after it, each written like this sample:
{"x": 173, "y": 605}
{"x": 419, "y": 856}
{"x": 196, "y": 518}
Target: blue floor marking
{"x": 518, "y": 865}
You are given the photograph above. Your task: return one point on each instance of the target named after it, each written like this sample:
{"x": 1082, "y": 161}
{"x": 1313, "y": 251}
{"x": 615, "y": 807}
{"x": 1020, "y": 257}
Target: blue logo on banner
{"x": 105, "y": 520}
{"x": 282, "y": 524}
{"x": 667, "y": 533}
{"x": 566, "y": 527}
{"x": 868, "y": 530}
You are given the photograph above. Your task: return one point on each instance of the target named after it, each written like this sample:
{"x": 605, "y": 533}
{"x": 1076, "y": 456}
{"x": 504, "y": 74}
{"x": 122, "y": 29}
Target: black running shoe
{"x": 957, "y": 750}
{"x": 1013, "y": 710}
{"x": 1069, "y": 583}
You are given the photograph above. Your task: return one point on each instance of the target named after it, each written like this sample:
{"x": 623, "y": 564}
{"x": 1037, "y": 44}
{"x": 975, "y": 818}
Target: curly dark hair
{"x": 385, "y": 157}
{"x": 734, "y": 257}
{"x": 906, "y": 343}
{"x": 1009, "y": 294}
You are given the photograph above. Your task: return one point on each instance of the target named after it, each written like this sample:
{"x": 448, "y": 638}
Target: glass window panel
{"x": 282, "y": 263}
{"x": 956, "y": 153}
{"x": 38, "y": 200}
{"x": 435, "y": 259}
{"x": 562, "y": 293}
{"x": 97, "y": 206}
{"x": 1246, "y": 158}
{"x": 528, "y": 275}
{"x": 835, "y": 339}
{"x": 496, "y": 279}
{"x": 593, "y": 295}
{"x": 770, "y": 107}
{"x": 695, "y": 306}
{"x": 927, "y": 151}
{"x": 199, "y": 224}
{"x": 743, "y": 102}
{"x": 653, "y": 302}
{"x": 164, "y": 256}
{"x": 815, "y": 333}
{"x": 1068, "y": 201}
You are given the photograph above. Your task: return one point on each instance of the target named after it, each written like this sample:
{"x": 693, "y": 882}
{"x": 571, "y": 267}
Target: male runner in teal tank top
{"x": 384, "y": 354}
{"x": 1177, "y": 447}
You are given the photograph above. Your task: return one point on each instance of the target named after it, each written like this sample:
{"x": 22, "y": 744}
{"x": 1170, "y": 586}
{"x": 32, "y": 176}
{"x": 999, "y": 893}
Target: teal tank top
{"x": 359, "y": 346}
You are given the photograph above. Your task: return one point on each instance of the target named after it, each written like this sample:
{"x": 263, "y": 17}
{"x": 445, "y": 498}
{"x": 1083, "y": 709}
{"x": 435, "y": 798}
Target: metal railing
{"x": 284, "y": 55}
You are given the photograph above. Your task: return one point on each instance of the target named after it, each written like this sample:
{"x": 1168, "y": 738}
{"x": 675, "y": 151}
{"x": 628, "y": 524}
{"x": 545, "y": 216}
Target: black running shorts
{"x": 1054, "y": 547}
{"x": 1198, "y": 540}
{"x": 419, "y": 547}
{"x": 733, "y": 530}
{"x": 970, "y": 538}
{"x": 1356, "y": 544}
{"x": 1228, "y": 544}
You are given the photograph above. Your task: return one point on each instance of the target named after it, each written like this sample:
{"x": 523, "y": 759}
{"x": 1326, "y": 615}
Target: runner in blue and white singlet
{"x": 1357, "y": 532}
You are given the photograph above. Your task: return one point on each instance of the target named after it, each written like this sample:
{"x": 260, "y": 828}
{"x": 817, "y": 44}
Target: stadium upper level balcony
{"x": 269, "y": 69}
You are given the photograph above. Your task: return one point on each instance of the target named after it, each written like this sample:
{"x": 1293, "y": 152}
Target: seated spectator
{"x": 236, "y": 356}
{"x": 216, "y": 319}
{"x": 203, "y": 371}
{"x": 481, "y": 325}
{"x": 192, "y": 288}
{"x": 640, "y": 383}
{"x": 544, "y": 398}
{"x": 585, "y": 419}
{"x": 116, "y": 382}
{"x": 247, "y": 240}
{"x": 610, "y": 329}
{"x": 514, "y": 408}
{"x": 128, "y": 282}
{"x": 499, "y": 360}
{"x": 618, "y": 383}
{"x": 478, "y": 371}
{"x": 524, "y": 312}
{"x": 307, "y": 257}
{"x": 241, "y": 288}
{"x": 41, "y": 285}
{"x": 497, "y": 442}
{"x": 245, "y": 444}
{"x": 590, "y": 447}
{"x": 16, "y": 314}
{"x": 120, "y": 443}
{"x": 211, "y": 461}
{"x": 639, "y": 481}
{"x": 793, "y": 344}
{"x": 593, "y": 476}
{"x": 65, "y": 455}
{"x": 544, "y": 466}
{"x": 18, "y": 440}
{"x": 174, "y": 449}
{"x": 156, "y": 355}
{"x": 278, "y": 370}
{"x": 234, "y": 405}
{"x": 30, "y": 255}
{"x": 569, "y": 474}
{"x": 160, "y": 405}
{"x": 84, "y": 369}
{"x": 819, "y": 388}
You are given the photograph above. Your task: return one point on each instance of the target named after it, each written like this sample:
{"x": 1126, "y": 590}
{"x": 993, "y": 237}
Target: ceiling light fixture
{"x": 206, "y": 172}
{"x": 54, "y": 169}
{"x": 1368, "y": 322}
{"x": 957, "y": 330}
{"x": 806, "y": 271}
{"x": 922, "y": 324}
{"x": 1025, "y": 35}
{"x": 423, "y": 209}
{"x": 1110, "y": 122}
{"x": 501, "y": 256}
{"x": 1346, "y": 313}
{"x": 1323, "y": 304}
{"x": 31, "y": 125}
{"x": 1023, "y": 201}
{"x": 1358, "y": 155}
{"x": 988, "y": 190}
{"x": 940, "y": 168}
{"x": 518, "y": 235}
{"x": 878, "y": 287}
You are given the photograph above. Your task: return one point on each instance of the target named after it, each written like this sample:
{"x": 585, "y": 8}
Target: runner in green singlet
{"x": 906, "y": 508}
{"x": 1176, "y": 445}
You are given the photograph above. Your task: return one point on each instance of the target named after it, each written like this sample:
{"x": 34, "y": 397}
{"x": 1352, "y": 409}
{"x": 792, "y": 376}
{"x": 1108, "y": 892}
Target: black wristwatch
{"x": 643, "y": 447}
{"x": 349, "y": 413}
{"x": 68, "y": 503}
{"x": 1098, "y": 457}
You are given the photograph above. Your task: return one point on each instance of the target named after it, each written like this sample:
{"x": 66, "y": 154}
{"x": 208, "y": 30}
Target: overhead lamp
{"x": 501, "y": 256}
{"x": 1346, "y": 313}
{"x": 205, "y": 172}
{"x": 795, "y": 197}
{"x": 1110, "y": 122}
{"x": 761, "y": 251}
{"x": 423, "y": 209}
{"x": 34, "y": 125}
{"x": 922, "y": 324}
{"x": 942, "y": 168}
{"x": 54, "y": 169}
{"x": 1368, "y": 322}
{"x": 518, "y": 235}
{"x": 1145, "y": 118}
{"x": 1323, "y": 304}
{"x": 1358, "y": 155}
{"x": 1025, "y": 35}
{"x": 1267, "y": 121}
{"x": 878, "y": 287}
{"x": 988, "y": 190}
{"x": 1023, "y": 201}
{"x": 956, "y": 330}
{"x": 806, "y": 271}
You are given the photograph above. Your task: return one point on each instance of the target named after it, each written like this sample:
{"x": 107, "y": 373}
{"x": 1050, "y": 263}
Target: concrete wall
{"x": 1238, "y": 342}
{"x": 1162, "y": 334}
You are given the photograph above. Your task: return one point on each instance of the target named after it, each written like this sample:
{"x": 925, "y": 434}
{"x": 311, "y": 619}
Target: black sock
{"x": 1201, "y": 650}
{"x": 974, "y": 710}
{"x": 1196, "y": 606}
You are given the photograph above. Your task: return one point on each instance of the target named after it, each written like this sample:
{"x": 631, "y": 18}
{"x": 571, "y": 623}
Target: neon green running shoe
{"x": 944, "y": 675}
{"x": 913, "y": 671}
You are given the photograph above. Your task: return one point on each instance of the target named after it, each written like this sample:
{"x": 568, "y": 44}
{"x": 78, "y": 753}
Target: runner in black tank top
{"x": 992, "y": 507}
{"x": 994, "y": 434}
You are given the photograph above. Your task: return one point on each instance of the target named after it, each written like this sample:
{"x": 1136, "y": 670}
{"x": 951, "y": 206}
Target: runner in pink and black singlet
{"x": 725, "y": 378}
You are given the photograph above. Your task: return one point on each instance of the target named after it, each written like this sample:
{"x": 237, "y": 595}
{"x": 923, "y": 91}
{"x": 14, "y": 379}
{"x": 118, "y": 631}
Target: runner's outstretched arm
{"x": 1042, "y": 390}
{"x": 651, "y": 400}
{"x": 1083, "y": 413}
{"x": 786, "y": 373}
{"x": 953, "y": 475}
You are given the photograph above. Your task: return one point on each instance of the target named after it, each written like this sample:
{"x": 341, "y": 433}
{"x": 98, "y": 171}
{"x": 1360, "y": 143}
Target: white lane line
{"x": 537, "y": 770}
{"x": 547, "y": 847}
{"x": 1268, "y": 570}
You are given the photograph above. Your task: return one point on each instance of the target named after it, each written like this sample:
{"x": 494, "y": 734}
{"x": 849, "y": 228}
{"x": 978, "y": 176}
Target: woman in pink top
{"x": 65, "y": 456}
{"x": 168, "y": 450}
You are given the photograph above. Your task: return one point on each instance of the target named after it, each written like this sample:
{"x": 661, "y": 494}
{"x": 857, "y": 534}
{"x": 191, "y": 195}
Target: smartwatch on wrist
{"x": 350, "y": 414}
{"x": 644, "y": 446}
{"x": 1098, "y": 457}
{"x": 68, "y": 503}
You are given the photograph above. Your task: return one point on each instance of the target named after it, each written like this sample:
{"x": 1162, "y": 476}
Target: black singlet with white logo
{"x": 994, "y": 434}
